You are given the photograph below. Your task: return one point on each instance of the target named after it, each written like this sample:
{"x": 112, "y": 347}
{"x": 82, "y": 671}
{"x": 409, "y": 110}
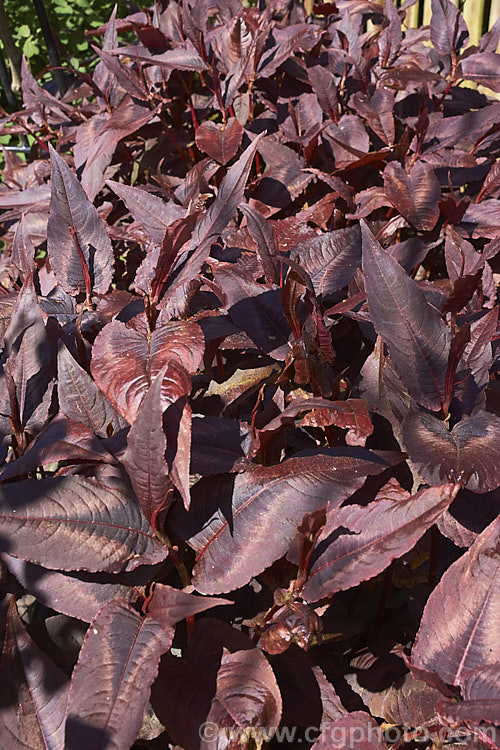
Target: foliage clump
{"x": 249, "y": 404}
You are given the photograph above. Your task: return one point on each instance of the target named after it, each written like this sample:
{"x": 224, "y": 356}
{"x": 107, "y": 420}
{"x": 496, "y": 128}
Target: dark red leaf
{"x": 74, "y": 225}
{"x": 448, "y": 28}
{"x": 452, "y": 639}
{"x": 330, "y": 259}
{"x": 215, "y": 220}
{"x": 62, "y": 440}
{"x": 144, "y": 458}
{"x": 255, "y": 308}
{"x": 152, "y": 213}
{"x": 262, "y": 233}
{"x": 126, "y": 360}
{"x": 482, "y": 68}
{"x": 221, "y": 526}
{"x": 120, "y": 655}
{"x": 469, "y": 453}
{"x": 80, "y": 398}
{"x": 416, "y": 194}
{"x": 79, "y": 595}
{"x": 44, "y": 521}
{"x": 33, "y": 692}
{"x": 417, "y": 338}
{"x": 169, "y": 606}
{"x": 247, "y": 697}
{"x": 369, "y": 538}
{"x": 220, "y": 142}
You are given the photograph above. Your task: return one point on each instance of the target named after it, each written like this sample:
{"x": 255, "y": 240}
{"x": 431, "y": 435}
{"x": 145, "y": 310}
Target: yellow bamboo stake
{"x": 494, "y": 14}
{"x": 473, "y": 14}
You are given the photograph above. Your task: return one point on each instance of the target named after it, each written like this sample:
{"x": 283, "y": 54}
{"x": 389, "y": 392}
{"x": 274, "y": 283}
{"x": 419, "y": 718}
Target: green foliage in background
{"x": 69, "y": 19}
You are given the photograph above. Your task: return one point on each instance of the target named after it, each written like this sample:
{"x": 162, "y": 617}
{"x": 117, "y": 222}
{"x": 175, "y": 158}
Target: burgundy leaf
{"x": 482, "y": 68}
{"x": 330, "y": 259}
{"x": 176, "y": 235}
{"x": 152, "y": 213}
{"x": 187, "y": 689}
{"x": 469, "y": 453}
{"x": 62, "y": 440}
{"x": 220, "y": 142}
{"x": 256, "y": 309}
{"x": 417, "y": 338}
{"x": 415, "y": 195}
{"x": 262, "y": 233}
{"x": 33, "y": 692}
{"x": 42, "y": 521}
{"x": 351, "y": 414}
{"x": 455, "y": 639}
{"x": 481, "y": 693}
{"x": 80, "y": 398}
{"x": 30, "y": 362}
{"x": 179, "y": 59}
{"x": 177, "y": 424}
{"x": 369, "y": 538}
{"x": 222, "y": 525}
{"x": 144, "y": 458}
{"x": 378, "y": 111}
{"x": 218, "y": 445}
{"x": 247, "y": 697}
{"x": 126, "y": 77}
{"x": 215, "y": 220}
{"x": 356, "y": 731}
{"x": 76, "y": 236}
{"x": 169, "y": 606}
{"x": 448, "y": 28}
{"x": 120, "y": 655}
{"x": 79, "y": 595}
{"x": 23, "y": 251}
{"x": 126, "y": 360}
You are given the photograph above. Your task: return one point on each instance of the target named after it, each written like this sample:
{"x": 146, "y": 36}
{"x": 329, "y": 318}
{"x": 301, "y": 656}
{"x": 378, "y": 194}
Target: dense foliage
{"x": 249, "y": 404}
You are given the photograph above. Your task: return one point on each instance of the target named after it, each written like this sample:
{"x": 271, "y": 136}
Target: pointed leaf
{"x": 169, "y": 606}
{"x": 144, "y": 458}
{"x": 79, "y": 595}
{"x": 415, "y": 195}
{"x": 262, "y": 232}
{"x": 219, "y": 214}
{"x": 483, "y": 68}
{"x": 469, "y": 453}
{"x": 455, "y": 639}
{"x": 44, "y": 521}
{"x": 111, "y": 681}
{"x": 74, "y": 226}
{"x": 23, "y": 251}
{"x": 375, "y": 535}
{"x": 448, "y": 28}
{"x": 152, "y": 213}
{"x": 126, "y": 360}
{"x": 33, "y": 692}
{"x": 417, "y": 338}
{"x": 234, "y": 521}
{"x": 80, "y": 398}
{"x": 257, "y": 309}
{"x": 62, "y": 440}
{"x": 30, "y": 362}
